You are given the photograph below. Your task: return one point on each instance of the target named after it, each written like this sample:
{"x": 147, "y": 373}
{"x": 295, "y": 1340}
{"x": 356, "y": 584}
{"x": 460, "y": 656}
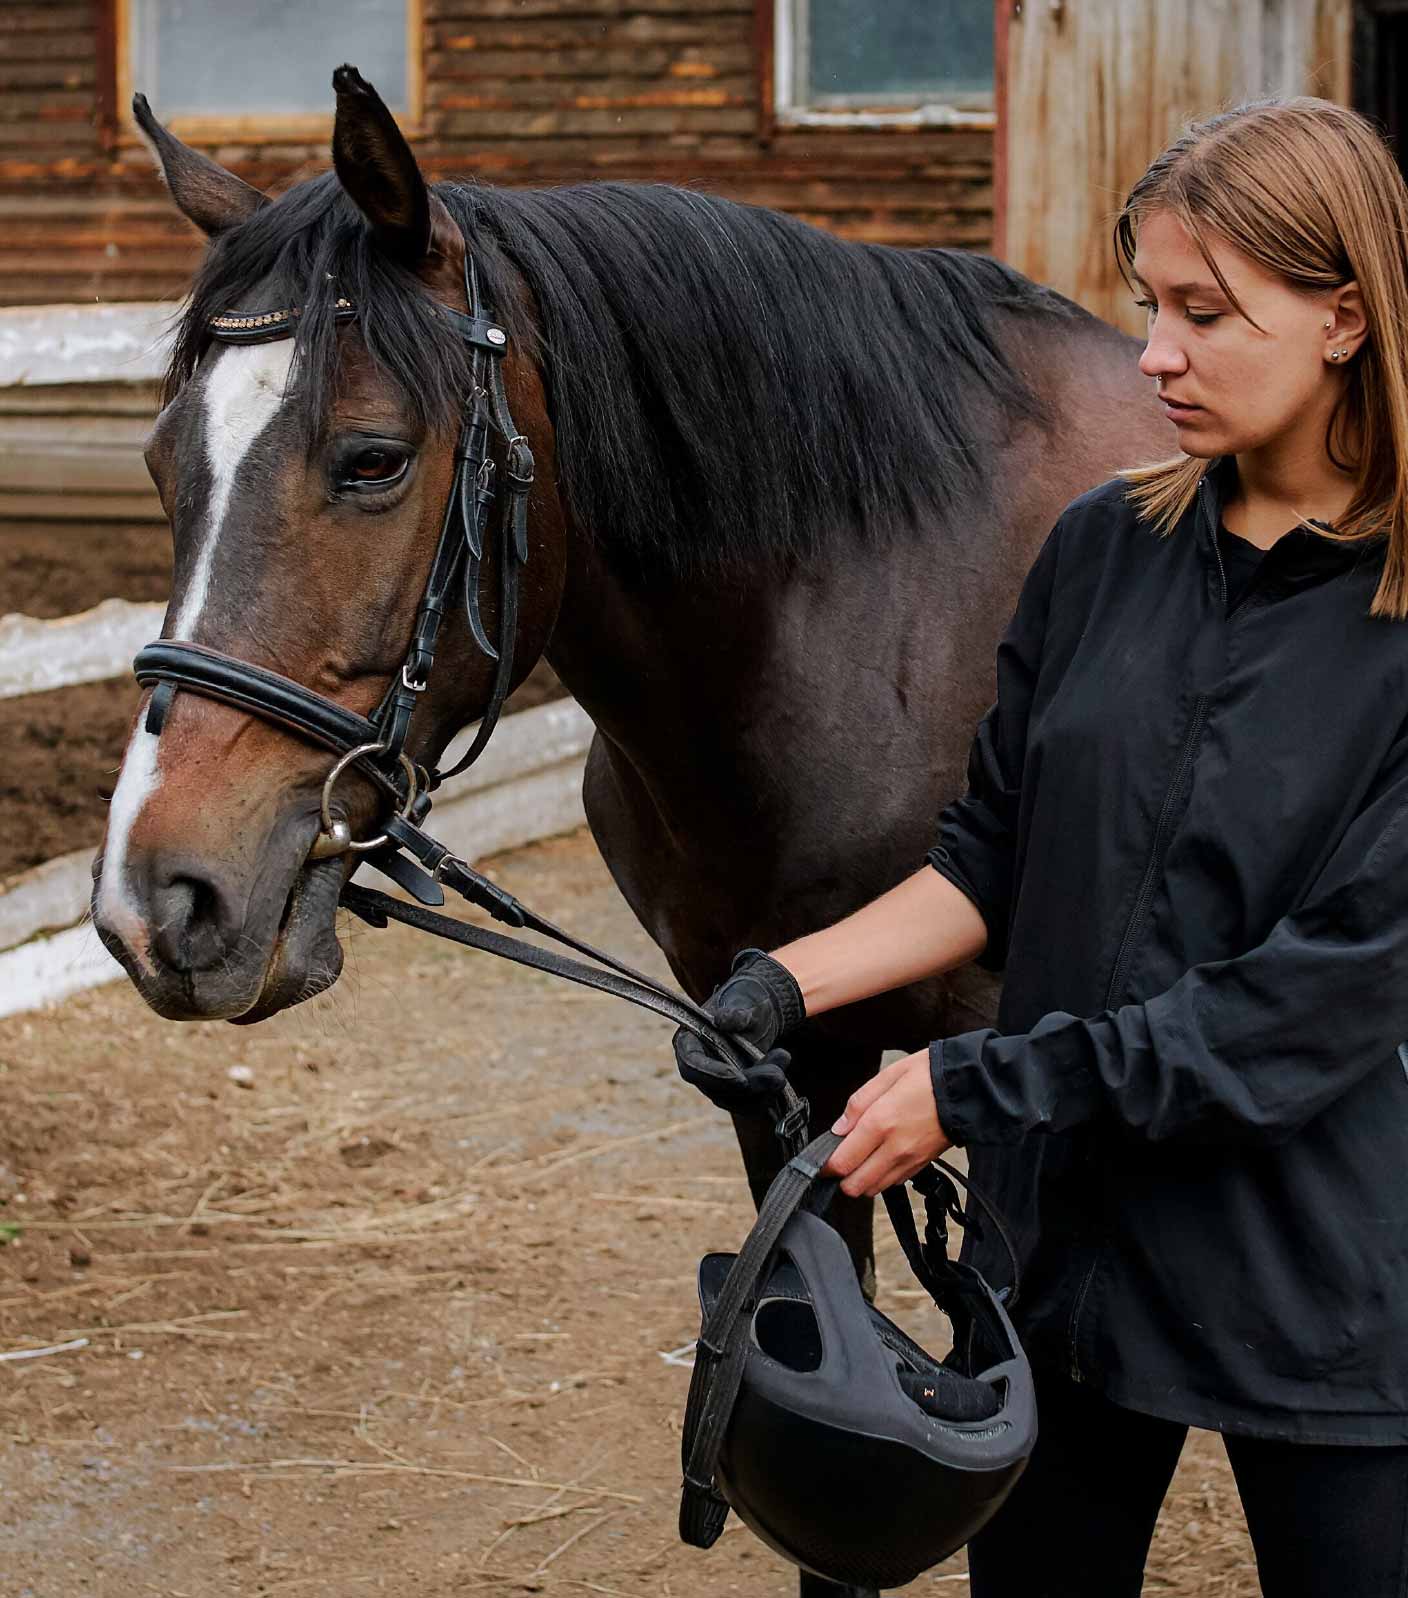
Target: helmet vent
{"x": 786, "y": 1330}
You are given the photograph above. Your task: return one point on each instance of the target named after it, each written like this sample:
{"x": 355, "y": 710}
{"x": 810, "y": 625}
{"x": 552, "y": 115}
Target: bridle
{"x": 376, "y": 744}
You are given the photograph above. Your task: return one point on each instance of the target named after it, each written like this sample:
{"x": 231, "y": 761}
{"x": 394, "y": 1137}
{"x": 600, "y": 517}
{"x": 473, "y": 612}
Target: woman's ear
{"x": 203, "y": 190}
{"x": 1349, "y": 324}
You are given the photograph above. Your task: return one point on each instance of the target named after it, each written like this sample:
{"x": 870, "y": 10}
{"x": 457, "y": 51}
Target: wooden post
{"x": 1093, "y": 90}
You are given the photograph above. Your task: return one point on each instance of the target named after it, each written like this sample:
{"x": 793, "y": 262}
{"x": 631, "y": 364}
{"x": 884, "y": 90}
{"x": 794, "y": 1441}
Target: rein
{"x": 375, "y": 744}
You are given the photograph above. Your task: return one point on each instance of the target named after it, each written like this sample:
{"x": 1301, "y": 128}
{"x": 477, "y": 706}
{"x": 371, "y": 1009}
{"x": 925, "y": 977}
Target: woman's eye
{"x": 1198, "y": 320}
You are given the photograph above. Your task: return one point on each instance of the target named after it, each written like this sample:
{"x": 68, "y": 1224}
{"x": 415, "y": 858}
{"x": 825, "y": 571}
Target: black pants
{"x": 1325, "y": 1521}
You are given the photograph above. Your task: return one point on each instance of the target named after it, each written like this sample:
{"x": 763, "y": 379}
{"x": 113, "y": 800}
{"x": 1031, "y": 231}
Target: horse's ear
{"x": 378, "y": 170}
{"x": 205, "y": 192}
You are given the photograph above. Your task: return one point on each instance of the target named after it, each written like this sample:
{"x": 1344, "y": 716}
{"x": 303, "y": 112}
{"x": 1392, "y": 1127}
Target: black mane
{"x": 728, "y": 385}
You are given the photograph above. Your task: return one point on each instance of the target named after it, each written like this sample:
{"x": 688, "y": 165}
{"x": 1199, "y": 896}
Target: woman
{"x": 1185, "y": 845}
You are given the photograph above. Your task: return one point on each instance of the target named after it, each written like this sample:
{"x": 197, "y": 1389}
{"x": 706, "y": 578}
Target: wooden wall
{"x": 516, "y": 91}
{"x": 1094, "y": 89}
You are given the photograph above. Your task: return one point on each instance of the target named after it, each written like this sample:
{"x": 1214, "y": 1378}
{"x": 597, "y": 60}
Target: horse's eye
{"x": 375, "y": 466}
{"x": 367, "y": 465}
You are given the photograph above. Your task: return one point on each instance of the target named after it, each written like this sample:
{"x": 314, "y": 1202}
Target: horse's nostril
{"x": 193, "y": 922}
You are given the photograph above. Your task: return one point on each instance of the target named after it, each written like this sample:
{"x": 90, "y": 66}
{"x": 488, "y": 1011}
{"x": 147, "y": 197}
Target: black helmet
{"x": 836, "y": 1438}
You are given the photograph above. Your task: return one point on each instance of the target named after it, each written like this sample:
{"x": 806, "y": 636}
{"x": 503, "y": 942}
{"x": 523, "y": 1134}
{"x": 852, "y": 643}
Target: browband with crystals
{"x": 478, "y": 330}
{"x": 233, "y": 327}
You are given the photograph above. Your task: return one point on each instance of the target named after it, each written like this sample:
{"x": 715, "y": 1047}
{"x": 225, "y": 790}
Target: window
{"x": 264, "y": 66}
{"x": 858, "y": 62}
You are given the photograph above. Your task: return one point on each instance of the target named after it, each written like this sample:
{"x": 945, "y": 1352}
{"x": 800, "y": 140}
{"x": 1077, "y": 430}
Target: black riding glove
{"x": 760, "y": 1001}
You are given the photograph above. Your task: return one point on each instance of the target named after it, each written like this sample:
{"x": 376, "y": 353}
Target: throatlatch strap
{"x": 722, "y": 1349}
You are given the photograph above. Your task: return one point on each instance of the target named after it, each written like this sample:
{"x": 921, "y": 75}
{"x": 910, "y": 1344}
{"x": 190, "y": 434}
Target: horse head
{"x": 306, "y": 480}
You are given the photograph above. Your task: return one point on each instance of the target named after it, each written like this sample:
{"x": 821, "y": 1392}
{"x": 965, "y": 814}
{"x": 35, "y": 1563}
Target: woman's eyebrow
{"x": 1180, "y": 288}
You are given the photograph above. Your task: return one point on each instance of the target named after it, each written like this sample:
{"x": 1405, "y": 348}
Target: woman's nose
{"x": 1161, "y": 357}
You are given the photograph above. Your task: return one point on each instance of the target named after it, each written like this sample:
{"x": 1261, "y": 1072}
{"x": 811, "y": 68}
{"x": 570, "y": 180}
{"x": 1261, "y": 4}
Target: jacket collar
{"x": 1299, "y": 557}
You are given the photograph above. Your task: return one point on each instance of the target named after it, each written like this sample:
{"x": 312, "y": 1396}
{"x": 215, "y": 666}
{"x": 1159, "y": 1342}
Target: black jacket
{"x": 1187, "y": 832}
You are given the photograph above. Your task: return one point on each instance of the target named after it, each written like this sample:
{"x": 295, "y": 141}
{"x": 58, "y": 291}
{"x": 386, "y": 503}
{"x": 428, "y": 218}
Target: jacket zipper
{"x": 1141, "y": 905}
{"x": 1146, "y": 885}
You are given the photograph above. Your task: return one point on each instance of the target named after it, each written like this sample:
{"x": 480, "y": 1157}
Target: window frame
{"x": 778, "y": 38}
{"x": 260, "y": 128}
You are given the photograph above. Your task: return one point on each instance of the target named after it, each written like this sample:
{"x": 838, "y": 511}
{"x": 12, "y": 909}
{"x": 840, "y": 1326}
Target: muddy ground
{"x": 377, "y": 1296}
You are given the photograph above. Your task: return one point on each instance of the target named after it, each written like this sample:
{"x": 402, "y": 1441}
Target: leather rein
{"x": 376, "y": 744}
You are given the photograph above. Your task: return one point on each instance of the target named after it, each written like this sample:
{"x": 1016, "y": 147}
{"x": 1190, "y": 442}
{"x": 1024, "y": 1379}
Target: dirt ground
{"x": 378, "y": 1295}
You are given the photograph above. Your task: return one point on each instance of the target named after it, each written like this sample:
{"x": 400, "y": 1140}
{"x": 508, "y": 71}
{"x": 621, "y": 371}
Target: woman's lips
{"x": 1177, "y": 412}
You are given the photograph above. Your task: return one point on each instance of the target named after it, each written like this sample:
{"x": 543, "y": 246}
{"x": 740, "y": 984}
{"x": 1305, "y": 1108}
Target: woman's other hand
{"x": 891, "y": 1129}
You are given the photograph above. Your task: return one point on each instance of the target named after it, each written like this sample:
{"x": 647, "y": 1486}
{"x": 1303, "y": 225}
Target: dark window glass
{"x": 900, "y": 52}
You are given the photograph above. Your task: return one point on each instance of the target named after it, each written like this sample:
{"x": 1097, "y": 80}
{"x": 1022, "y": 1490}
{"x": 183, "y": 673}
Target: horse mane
{"x": 728, "y": 386}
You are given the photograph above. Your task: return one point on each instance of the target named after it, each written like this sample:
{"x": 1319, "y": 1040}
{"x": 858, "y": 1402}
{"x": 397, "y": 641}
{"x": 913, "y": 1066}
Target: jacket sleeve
{"x": 977, "y": 832}
{"x": 1247, "y": 1049}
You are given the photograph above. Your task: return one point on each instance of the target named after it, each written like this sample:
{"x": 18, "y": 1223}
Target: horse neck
{"x": 723, "y": 665}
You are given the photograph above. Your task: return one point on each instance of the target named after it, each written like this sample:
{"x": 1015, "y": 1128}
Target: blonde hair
{"x": 1309, "y": 190}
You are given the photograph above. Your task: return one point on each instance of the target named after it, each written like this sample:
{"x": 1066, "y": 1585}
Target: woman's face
{"x": 1247, "y": 389}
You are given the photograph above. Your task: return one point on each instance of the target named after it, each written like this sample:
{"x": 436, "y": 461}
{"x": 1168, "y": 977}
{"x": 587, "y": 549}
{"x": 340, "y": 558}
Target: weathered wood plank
{"x": 80, "y": 399}
{"x": 566, "y": 33}
{"x": 48, "y": 135}
{"x": 45, "y": 106}
{"x": 522, "y": 10}
{"x": 693, "y": 122}
{"x": 584, "y": 64}
{"x": 23, "y": 19}
{"x": 606, "y": 94}
{"x": 59, "y": 507}
{"x": 19, "y": 75}
{"x": 64, "y": 45}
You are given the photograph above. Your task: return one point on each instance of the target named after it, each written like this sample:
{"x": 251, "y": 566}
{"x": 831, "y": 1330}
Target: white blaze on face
{"x": 243, "y": 392}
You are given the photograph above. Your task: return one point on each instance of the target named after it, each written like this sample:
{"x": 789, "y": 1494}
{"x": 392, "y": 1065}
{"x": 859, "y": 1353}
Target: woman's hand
{"x": 891, "y": 1128}
{"x": 759, "y": 1001}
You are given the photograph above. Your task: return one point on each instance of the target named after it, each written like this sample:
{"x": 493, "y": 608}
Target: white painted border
{"x": 45, "y": 344}
{"x": 91, "y": 646}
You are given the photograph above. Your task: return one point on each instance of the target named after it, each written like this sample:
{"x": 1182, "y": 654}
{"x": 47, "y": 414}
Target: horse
{"x": 788, "y": 487}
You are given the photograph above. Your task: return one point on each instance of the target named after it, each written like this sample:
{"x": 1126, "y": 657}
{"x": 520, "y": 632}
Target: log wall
{"x": 516, "y": 91}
